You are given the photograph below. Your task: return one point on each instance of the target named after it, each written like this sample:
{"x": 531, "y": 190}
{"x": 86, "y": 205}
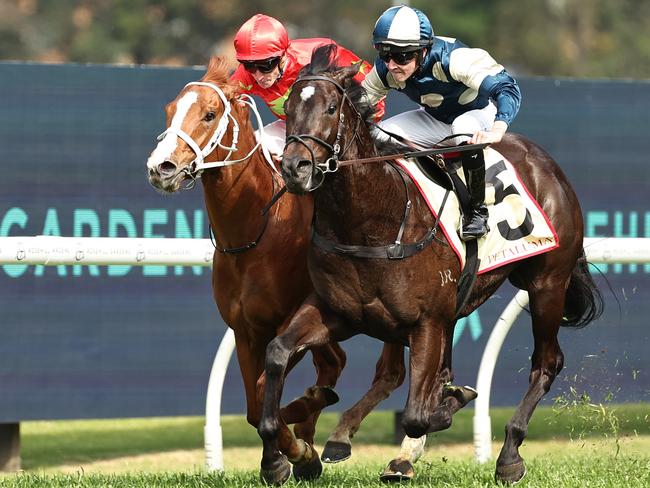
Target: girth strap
{"x": 391, "y": 251}
{"x": 397, "y": 250}
{"x": 467, "y": 276}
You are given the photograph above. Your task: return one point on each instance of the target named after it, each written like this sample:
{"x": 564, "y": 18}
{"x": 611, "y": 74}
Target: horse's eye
{"x": 331, "y": 109}
{"x": 209, "y": 116}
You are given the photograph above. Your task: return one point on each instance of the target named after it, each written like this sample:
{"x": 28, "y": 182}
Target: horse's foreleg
{"x": 389, "y": 374}
{"x": 317, "y": 397}
{"x": 307, "y": 329}
{"x": 314, "y": 399}
{"x": 401, "y": 468}
{"x": 430, "y": 358}
{"x": 250, "y": 356}
{"x": 453, "y": 399}
{"x": 428, "y": 373}
{"x": 547, "y": 360}
{"x": 329, "y": 362}
{"x": 301, "y": 411}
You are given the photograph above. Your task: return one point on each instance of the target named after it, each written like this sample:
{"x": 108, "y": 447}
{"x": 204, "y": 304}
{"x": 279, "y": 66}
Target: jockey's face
{"x": 402, "y": 72}
{"x": 267, "y": 79}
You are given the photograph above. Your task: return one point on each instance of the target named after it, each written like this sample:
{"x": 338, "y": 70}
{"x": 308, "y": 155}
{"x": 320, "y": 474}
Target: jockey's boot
{"x": 475, "y": 222}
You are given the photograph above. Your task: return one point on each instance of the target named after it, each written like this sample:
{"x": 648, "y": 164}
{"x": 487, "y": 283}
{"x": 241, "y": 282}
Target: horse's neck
{"x": 361, "y": 196}
{"x": 235, "y": 195}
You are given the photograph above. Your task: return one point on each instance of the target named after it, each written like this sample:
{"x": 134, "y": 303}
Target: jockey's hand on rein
{"x": 483, "y": 136}
{"x": 494, "y": 135}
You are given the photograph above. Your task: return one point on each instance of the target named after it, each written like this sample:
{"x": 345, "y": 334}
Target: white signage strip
{"x": 625, "y": 250}
{"x": 54, "y": 251}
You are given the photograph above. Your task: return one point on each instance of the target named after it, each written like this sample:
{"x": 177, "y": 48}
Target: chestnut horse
{"x": 259, "y": 273}
{"x": 399, "y": 300}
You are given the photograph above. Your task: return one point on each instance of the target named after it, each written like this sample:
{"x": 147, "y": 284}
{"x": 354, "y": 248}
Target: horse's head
{"x": 322, "y": 120}
{"x": 197, "y": 121}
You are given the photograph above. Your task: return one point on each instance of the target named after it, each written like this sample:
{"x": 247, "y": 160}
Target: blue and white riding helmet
{"x": 402, "y": 27}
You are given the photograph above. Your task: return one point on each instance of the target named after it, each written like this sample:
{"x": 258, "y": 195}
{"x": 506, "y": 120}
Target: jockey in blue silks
{"x": 461, "y": 90}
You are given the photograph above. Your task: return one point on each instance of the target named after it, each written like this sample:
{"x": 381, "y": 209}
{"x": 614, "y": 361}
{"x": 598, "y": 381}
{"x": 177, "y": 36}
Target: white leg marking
{"x": 412, "y": 449}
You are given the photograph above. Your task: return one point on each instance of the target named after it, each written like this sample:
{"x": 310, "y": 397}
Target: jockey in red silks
{"x": 270, "y": 63}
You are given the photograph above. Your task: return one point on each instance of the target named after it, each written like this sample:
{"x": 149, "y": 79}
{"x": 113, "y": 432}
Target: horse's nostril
{"x": 166, "y": 168}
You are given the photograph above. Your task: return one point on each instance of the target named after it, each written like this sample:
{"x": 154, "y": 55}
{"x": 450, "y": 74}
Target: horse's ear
{"x": 344, "y": 75}
{"x": 218, "y": 72}
{"x": 233, "y": 94}
{"x": 230, "y": 90}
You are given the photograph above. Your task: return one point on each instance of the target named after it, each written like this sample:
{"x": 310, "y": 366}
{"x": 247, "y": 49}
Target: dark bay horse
{"x": 259, "y": 273}
{"x": 401, "y": 300}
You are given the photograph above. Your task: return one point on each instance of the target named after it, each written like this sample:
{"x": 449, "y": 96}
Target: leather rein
{"x": 396, "y": 250}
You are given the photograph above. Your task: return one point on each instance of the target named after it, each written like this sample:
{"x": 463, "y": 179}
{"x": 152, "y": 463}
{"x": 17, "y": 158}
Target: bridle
{"x": 396, "y": 250}
{"x": 331, "y": 164}
{"x": 198, "y": 164}
{"x": 196, "y": 167}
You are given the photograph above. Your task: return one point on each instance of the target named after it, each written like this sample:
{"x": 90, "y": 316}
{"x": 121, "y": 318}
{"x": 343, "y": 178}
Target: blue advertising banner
{"x": 124, "y": 341}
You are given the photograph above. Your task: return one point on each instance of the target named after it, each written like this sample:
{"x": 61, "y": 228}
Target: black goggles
{"x": 263, "y": 66}
{"x": 400, "y": 57}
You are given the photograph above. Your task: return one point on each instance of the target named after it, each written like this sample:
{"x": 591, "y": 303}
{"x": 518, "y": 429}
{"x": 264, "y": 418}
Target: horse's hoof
{"x": 327, "y": 394}
{"x": 464, "y": 394}
{"x": 331, "y": 397}
{"x": 510, "y": 474}
{"x": 308, "y": 470}
{"x": 278, "y": 473}
{"x": 335, "y": 452}
{"x": 398, "y": 470}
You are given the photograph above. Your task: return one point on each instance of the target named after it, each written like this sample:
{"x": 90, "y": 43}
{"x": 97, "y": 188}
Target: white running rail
{"x": 103, "y": 251}
{"x": 212, "y": 433}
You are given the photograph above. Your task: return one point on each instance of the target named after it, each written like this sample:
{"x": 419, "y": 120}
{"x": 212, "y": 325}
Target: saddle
{"x": 443, "y": 170}
{"x": 519, "y": 226}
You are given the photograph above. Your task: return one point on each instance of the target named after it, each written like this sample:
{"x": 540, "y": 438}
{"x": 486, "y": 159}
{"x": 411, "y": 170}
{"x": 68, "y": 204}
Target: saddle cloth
{"x": 519, "y": 228}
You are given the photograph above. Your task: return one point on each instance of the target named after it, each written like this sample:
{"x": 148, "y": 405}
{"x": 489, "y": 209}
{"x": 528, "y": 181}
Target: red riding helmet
{"x": 261, "y": 37}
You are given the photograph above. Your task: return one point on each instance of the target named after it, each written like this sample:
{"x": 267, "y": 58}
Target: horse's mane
{"x": 323, "y": 60}
{"x": 217, "y": 72}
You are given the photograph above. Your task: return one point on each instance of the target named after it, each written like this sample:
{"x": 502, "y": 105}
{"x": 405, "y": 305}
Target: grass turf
{"x": 47, "y": 444}
{"x": 550, "y": 472}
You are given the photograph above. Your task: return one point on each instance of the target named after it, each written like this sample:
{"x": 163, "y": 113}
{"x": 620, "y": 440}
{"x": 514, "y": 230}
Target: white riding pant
{"x": 421, "y": 128}
{"x": 275, "y": 134}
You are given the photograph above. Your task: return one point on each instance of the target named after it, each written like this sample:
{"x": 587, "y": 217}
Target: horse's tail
{"x": 584, "y": 302}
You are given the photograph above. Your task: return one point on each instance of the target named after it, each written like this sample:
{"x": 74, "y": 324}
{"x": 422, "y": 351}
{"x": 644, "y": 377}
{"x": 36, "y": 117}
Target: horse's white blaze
{"x": 169, "y": 143}
{"x": 307, "y": 93}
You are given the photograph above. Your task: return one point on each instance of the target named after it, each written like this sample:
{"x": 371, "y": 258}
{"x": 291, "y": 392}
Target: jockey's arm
{"x": 478, "y": 70}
